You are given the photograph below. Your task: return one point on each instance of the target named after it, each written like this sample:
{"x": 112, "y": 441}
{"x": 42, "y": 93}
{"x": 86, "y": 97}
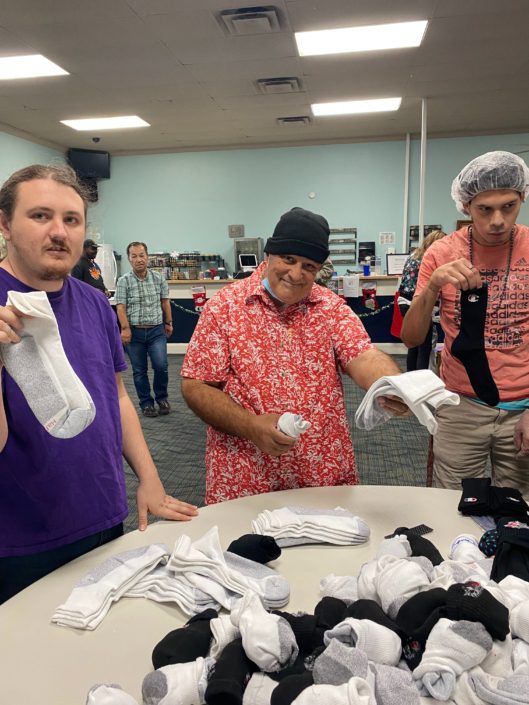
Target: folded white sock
{"x": 109, "y": 694}
{"x": 92, "y": 597}
{"x": 298, "y": 525}
{"x": 421, "y": 390}
{"x": 292, "y": 424}
{"x": 39, "y": 366}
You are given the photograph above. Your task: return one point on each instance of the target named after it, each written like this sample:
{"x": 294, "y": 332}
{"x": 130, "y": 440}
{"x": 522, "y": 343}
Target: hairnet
{"x": 493, "y": 170}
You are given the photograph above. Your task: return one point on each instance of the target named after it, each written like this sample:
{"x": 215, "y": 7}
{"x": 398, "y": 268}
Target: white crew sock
{"x": 109, "y": 694}
{"x": 178, "y": 683}
{"x": 379, "y": 643}
{"x": 451, "y": 648}
{"x": 344, "y": 587}
{"x": 223, "y": 631}
{"x": 259, "y": 690}
{"x": 267, "y": 639}
{"x": 465, "y": 549}
{"x": 39, "y": 366}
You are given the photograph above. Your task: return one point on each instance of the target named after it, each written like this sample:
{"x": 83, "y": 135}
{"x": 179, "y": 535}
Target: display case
{"x": 185, "y": 265}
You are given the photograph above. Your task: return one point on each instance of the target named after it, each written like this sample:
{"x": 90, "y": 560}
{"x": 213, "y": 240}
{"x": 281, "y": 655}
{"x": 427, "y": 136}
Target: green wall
{"x": 186, "y": 201}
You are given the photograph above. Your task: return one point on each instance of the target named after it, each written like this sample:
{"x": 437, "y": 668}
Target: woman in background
{"x": 418, "y": 358}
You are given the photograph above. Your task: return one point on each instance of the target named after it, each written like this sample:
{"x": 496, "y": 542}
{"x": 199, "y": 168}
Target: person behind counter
{"x": 60, "y": 497}
{"x": 479, "y": 273}
{"x": 272, "y": 343}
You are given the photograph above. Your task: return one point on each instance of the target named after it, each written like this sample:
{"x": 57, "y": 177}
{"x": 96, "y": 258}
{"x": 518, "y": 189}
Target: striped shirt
{"x": 141, "y": 297}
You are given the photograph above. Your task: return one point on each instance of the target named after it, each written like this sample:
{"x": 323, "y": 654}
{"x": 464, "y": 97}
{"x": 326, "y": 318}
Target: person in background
{"x": 144, "y": 312}
{"x": 418, "y": 357}
{"x": 479, "y": 273}
{"x": 274, "y": 343}
{"x": 87, "y": 269}
{"x": 62, "y": 497}
{"x": 325, "y": 273}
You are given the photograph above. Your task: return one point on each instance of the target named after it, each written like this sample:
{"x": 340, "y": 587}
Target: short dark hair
{"x": 61, "y": 173}
{"x": 136, "y": 243}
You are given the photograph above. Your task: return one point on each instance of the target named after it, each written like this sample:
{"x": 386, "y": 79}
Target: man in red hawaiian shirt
{"x": 277, "y": 342}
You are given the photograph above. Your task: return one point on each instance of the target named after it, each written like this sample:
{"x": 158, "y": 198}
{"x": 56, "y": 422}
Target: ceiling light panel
{"x": 106, "y": 123}
{"x": 354, "y": 107}
{"x": 396, "y": 35}
{"x": 30, "y": 66}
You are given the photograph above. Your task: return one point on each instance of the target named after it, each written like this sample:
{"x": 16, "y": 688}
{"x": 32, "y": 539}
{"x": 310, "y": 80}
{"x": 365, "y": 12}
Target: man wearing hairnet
{"x": 481, "y": 275}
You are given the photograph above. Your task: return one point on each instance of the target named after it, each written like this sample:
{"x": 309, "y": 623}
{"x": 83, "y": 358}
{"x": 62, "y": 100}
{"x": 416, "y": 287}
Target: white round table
{"x": 44, "y": 664}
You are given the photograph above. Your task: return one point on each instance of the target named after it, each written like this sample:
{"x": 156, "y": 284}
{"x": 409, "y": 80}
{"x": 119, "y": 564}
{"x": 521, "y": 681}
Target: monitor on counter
{"x": 248, "y": 263}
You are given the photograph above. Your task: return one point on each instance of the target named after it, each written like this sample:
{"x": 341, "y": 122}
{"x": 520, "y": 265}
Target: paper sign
{"x": 351, "y": 286}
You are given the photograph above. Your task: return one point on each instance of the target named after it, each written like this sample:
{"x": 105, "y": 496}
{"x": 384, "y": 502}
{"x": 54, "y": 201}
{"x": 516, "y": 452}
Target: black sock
{"x": 416, "y": 619}
{"x": 260, "y": 549}
{"x": 369, "y": 609}
{"x": 474, "y": 499}
{"x": 420, "y": 546}
{"x": 304, "y": 628}
{"x": 187, "y": 643}
{"x": 512, "y": 554}
{"x": 507, "y": 502}
{"x": 469, "y": 346}
{"x": 230, "y": 676}
{"x": 289, "y": 688}
{"x": 474, "y": 603}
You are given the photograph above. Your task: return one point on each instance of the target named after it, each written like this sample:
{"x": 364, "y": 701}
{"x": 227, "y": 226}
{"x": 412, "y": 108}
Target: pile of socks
{"x": 197, "y": 576}
{"x": 392, "y": 637}
{"x": 225, "y": 576}
{"x": 291, "y": 526}
{"x": 422, "y": 390}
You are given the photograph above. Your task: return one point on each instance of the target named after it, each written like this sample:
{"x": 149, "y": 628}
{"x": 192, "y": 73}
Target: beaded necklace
{"x": 501, "y": 291}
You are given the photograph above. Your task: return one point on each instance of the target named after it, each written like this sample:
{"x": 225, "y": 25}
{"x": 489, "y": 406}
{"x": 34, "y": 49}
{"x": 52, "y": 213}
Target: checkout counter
{"x": 377, "y": 323}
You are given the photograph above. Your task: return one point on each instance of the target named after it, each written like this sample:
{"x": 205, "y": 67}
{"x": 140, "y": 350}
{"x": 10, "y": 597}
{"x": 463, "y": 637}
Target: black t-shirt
{"x": 88, "y": 271}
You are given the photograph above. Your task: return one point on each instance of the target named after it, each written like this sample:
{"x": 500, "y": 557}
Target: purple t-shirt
{"x": 55, "y": 491}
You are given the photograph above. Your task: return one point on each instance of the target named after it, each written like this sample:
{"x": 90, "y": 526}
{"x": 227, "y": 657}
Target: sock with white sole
{"x": 39, "y": 366}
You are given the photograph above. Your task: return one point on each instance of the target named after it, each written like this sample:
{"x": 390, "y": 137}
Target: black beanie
{"x": 300, "y": 232}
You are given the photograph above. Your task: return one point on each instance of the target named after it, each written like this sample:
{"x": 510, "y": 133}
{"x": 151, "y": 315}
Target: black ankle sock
{"x": 255, "y": 547}
{"x": 469, "y": 346}
{"x": 187, "y": 643}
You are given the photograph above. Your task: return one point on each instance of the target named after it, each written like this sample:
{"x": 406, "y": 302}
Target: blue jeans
{"x": 150, "y": 342}
{"x": 18, "y": 572}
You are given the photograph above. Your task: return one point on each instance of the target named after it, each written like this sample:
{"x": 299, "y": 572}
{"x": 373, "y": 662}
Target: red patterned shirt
{"x": 272, "y": 360}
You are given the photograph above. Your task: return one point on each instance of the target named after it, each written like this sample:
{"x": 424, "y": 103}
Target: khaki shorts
{"x": 469, "y": 435}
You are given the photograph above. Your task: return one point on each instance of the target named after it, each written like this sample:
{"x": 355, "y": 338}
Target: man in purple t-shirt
{"x": 61, "y": 497}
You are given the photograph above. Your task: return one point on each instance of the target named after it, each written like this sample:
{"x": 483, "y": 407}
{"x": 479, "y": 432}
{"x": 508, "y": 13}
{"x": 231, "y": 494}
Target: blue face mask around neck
{"x": 267, "y": 286}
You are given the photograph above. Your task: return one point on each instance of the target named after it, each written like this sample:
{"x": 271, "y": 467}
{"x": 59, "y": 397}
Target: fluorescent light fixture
{"x": 352, "y": 39}
{"x": 352, "y": 107}
{"x": 106, "y": 123}
{"x": 31, "y": 66}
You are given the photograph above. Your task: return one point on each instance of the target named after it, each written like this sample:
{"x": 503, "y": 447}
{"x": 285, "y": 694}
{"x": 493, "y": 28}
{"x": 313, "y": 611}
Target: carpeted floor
{"x": 394, "y": 454}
